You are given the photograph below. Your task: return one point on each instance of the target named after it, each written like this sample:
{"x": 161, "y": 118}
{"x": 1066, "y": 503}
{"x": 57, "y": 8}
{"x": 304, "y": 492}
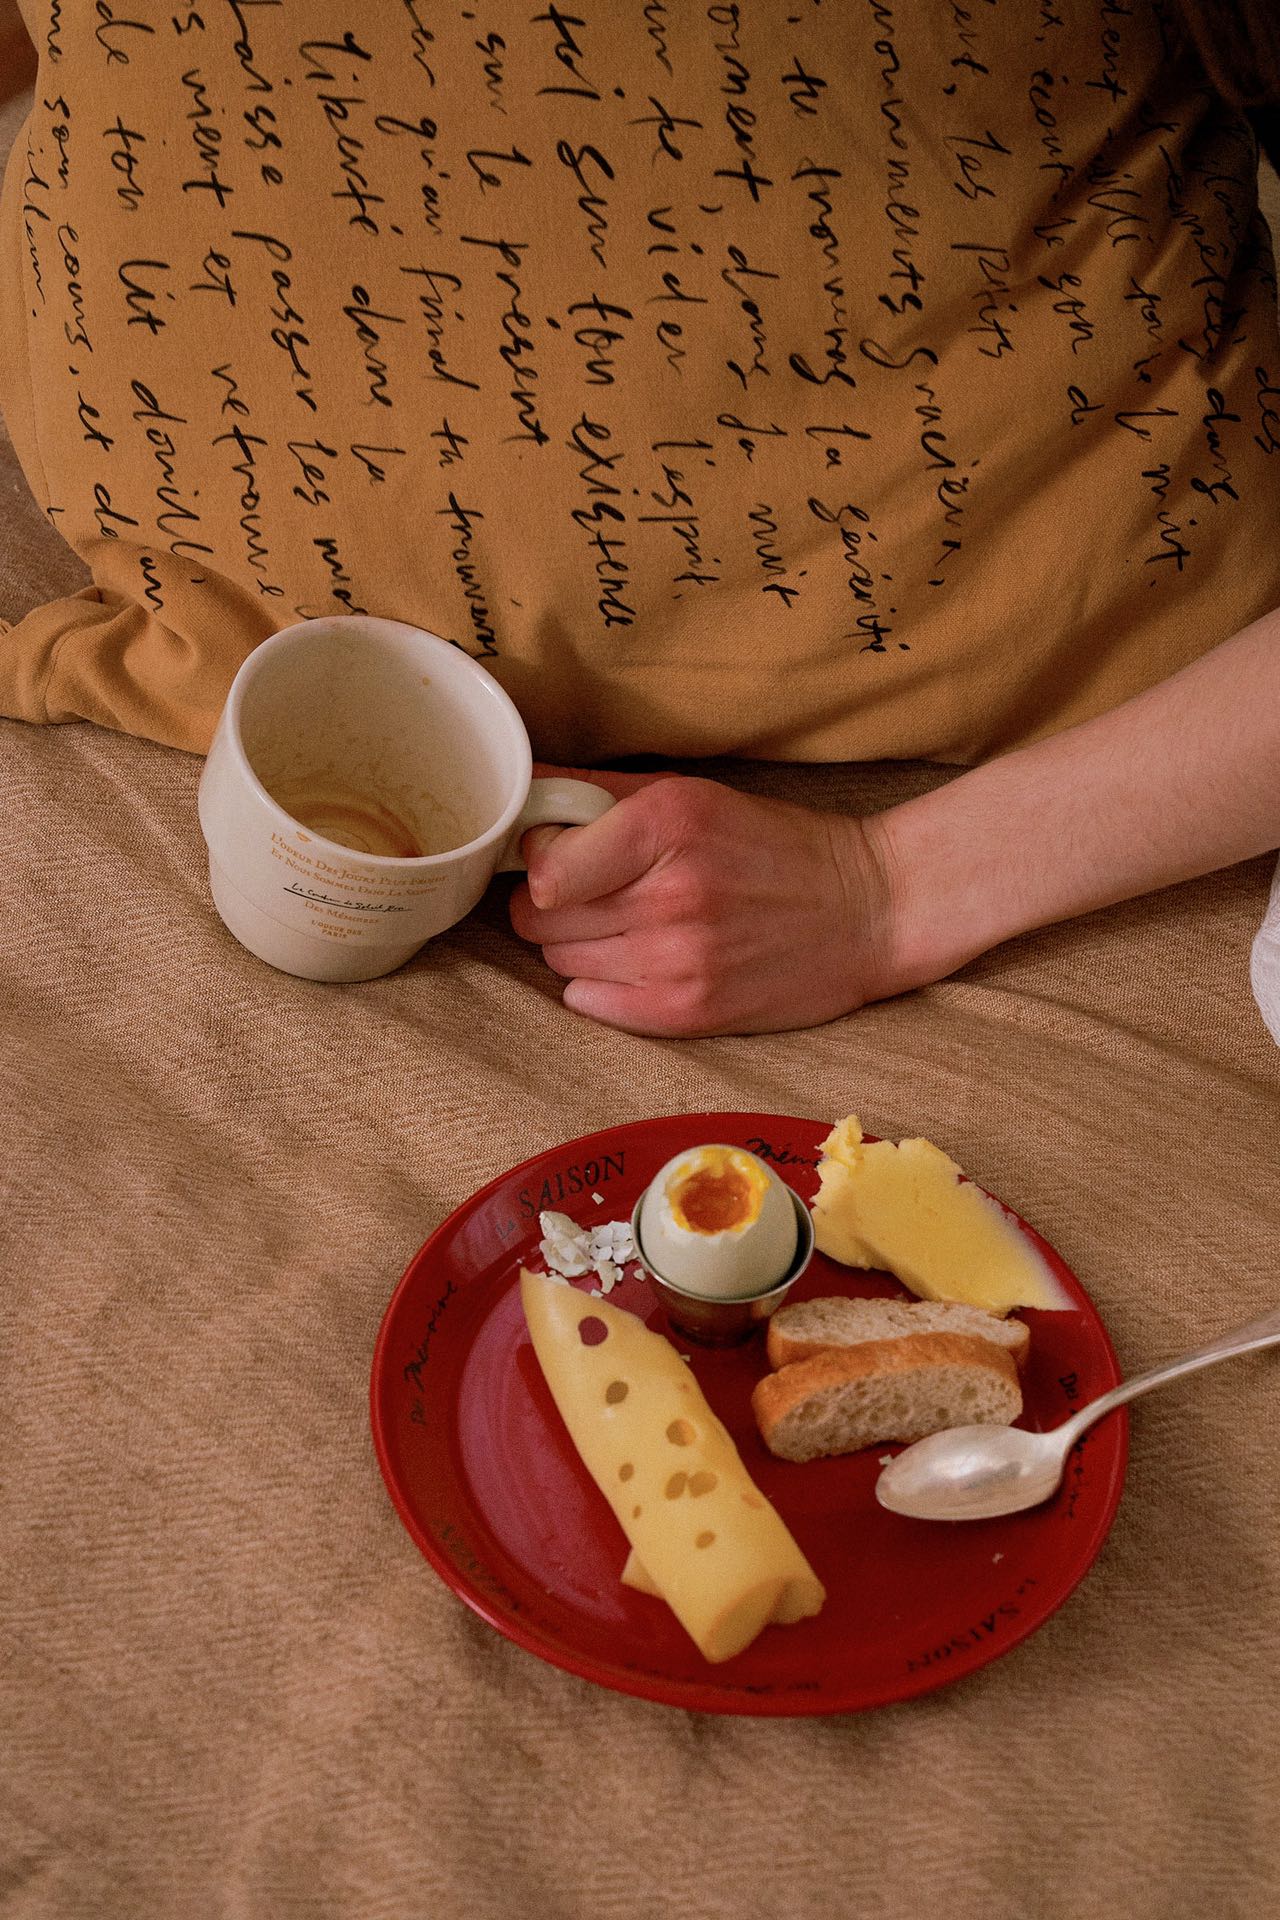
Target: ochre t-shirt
{"x": 765, "y": 378}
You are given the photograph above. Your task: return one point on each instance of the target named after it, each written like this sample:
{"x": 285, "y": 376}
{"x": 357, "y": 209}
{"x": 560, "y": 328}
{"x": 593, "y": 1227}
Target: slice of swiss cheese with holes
{"x": 702, "y": 1535}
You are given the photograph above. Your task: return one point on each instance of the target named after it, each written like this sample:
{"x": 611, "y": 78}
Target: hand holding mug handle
{"x": 554, "y": 802}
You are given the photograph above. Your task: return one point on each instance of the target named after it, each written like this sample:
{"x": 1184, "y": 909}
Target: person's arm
{"x": 1178, "y": 781}
{"x": 690, "y": 908}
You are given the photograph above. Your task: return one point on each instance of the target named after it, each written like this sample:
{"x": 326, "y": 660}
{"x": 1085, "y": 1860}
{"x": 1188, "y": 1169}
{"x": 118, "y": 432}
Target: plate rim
{"x": 713, "y": 1698}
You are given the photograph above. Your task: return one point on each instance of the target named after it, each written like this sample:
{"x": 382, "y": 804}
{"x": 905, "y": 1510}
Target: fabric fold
{"x": 96, "y": 655}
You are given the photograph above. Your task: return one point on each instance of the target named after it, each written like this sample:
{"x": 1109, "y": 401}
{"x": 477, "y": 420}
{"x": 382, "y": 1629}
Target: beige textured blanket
{"x": 229, "y": 1683}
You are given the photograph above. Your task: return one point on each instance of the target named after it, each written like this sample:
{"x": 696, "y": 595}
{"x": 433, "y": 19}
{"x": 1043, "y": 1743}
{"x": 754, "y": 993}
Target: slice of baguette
{"x": 812, "y": 1326}
{"x": 845, "y": 1398}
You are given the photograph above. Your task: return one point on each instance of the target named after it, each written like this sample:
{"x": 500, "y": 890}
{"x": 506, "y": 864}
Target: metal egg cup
{"x": 715, "y": 1322}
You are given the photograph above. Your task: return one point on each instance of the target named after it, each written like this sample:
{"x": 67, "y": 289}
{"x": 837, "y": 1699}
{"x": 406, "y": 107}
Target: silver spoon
{"x": 975, "y": 1473}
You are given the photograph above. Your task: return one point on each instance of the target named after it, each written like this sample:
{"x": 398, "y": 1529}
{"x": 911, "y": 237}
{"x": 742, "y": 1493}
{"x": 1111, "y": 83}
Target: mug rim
{"x": 229, "y": 722}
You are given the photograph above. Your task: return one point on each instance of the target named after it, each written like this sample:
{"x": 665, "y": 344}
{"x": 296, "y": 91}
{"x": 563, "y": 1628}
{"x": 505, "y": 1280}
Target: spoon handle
{"x": 1246, "y": 1339}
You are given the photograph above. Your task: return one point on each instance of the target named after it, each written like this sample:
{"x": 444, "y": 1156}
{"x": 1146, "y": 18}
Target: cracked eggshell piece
{"x": 718, "y": 1222}
{"x": 571, "y": 1251}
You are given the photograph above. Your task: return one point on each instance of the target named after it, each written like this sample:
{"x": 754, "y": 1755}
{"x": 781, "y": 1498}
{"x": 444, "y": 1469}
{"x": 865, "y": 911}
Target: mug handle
{"x": 553, "y": 803}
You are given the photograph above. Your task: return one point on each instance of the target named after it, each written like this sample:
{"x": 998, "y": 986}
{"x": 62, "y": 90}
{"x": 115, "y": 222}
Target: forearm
{"x": 1183, "y": 779}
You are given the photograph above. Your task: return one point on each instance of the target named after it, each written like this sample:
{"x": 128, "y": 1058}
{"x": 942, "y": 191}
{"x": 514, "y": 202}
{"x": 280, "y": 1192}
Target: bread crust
{"x": 779, "y": 1394}
{"x": 785, "y": 1348}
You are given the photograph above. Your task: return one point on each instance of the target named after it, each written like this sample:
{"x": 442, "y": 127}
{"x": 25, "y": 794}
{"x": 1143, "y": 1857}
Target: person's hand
{"x": 690, "y": 908}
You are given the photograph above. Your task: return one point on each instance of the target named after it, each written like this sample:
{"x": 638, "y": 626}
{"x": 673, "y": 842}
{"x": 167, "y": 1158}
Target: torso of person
{"x": 765, "y": 378}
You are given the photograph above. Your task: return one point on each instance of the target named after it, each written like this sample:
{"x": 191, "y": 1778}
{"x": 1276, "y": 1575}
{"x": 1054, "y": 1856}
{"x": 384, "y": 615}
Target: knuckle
{"x": 562, "y": 960}
{"x": 674, "y": 893}
{"x": 694, "y": 960}
{"x": 700, "y": 953}
{"x": 688, "y": 891}
{"x": 522, "y": 913}
{"x": 679, "y": 806}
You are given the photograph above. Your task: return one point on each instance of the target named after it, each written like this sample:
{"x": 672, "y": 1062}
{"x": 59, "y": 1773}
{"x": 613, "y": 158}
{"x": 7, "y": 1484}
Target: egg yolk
{"x": 716, "y": 1196}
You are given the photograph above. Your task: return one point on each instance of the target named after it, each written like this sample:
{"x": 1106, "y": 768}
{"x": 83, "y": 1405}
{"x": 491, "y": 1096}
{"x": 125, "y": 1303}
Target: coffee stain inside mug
{"x": 358, "y": 821}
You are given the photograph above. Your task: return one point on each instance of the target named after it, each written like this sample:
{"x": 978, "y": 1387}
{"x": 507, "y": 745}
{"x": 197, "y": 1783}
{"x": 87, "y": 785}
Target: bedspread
{"x": 231, "y": 1684}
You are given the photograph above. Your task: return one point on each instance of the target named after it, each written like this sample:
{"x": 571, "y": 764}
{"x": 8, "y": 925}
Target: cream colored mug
{"x": 366, "y": 781}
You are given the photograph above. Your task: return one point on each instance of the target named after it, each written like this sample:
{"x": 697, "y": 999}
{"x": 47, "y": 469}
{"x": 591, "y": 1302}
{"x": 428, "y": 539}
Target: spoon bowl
{"x": 973, "y": 1473}
{"x": 978, "y": 1473}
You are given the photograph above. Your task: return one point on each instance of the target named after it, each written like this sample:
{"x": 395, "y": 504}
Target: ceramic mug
{"x": 366, "y": 781}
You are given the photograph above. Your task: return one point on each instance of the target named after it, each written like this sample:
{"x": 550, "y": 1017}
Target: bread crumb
{"x": 995, "y": 1557}
{"x": 885, "y": 1459}
{"x": 598, "y": 1198}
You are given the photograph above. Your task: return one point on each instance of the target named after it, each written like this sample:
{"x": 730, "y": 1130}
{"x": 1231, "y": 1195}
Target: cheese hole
{"x": 704, "y": 1540}
{"x": 701, "y": 1483}
{"x": 636, "y": 1512}
{"x": 676, "y": 1485}
{"x": 615, "y": 1392}
{"x": 680, "y": 1433}
{"x": 626, "y": 1470}
{"x": 592, "y": 1330}
{"x": 752, "y": 1500}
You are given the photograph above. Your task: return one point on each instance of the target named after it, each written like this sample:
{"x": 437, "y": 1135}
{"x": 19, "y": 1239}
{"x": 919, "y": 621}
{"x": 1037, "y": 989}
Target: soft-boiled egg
{"x": 717, "y": 1221}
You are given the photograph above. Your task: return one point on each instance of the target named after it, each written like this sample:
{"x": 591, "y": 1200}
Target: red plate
{"x": 489, "y": 1485}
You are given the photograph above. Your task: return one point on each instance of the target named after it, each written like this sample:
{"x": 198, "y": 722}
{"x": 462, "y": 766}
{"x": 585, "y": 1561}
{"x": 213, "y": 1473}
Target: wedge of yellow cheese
{"x": 906, "y": 1208}
{"x": 702, "y": 1534}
